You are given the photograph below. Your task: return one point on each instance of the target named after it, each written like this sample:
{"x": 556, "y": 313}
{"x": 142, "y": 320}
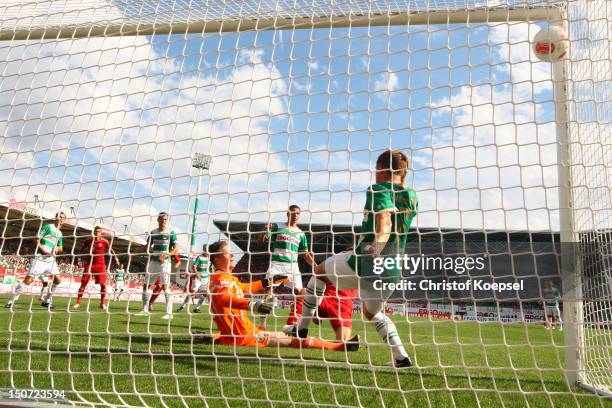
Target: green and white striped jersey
{"x": 287, "y": 243}
{"x": 50, "y": 237}
{"x": 119, "y": 275}
{"x": 551, "y": 297}
{"x": 202, "y": 265}
{"x": 160, "y": 242}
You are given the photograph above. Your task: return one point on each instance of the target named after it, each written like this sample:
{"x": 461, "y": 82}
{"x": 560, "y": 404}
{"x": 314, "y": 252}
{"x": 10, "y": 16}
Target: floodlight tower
{"x": 201, "y": 162}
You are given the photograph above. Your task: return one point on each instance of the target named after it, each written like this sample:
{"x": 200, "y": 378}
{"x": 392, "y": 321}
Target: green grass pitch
{"x": 118, "y": 359}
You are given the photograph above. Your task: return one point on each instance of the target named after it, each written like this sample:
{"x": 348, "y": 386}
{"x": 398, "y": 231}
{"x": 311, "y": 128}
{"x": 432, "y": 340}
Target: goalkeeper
{"x": 229, "y": 309}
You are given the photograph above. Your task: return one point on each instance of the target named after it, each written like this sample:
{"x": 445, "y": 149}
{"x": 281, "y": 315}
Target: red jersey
{"x": 96, "y": 251}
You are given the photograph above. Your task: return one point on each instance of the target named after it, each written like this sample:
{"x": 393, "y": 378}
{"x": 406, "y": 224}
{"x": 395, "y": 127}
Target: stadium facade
{"x": 509, "y": 257}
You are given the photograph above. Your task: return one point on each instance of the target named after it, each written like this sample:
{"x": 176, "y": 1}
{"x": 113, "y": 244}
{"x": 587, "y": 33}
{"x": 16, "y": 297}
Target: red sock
{"x": 154, "y": 297}
{"x": 296, "y": 311}
{"x": 102, "y": 294}
{"x": 84, "y": 281}
{"x": 313, "y": 342}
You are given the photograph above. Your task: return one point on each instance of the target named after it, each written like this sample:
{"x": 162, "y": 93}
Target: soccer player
{"x": 390, "y": 207}
{"x": 229, "y": 309}
{"x": 198, "y": 281}
{"x": 287, "y": 243}
{"x": 119, "y": 278}
{"x": 96, "y": 250}
{"x": 49, "y": 244}
{"x": 162, "y": 247}
{"x": 552, "y": 313}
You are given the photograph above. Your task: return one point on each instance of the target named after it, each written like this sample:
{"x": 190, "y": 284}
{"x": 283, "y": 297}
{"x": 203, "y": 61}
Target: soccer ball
{"x": 551, "y": 44}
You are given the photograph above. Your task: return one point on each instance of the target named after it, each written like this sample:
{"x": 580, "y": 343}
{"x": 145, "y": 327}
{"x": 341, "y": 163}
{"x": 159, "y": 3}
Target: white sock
{"x": 17, "y": 293}
{"x": 51, "y": 292}
{"x": 387, "y": 330}
{"x": 312, "y": 299}
{"x": 187, "y": 300}
{"x": 146, "y": 295}
{"x": 201, "y": 300}
{"x": 167, "y": 295}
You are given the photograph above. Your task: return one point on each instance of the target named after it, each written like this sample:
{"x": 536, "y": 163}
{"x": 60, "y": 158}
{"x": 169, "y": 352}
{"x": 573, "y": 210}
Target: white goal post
{"x": 105, "y": 21}
{"x": 583, "y": 126}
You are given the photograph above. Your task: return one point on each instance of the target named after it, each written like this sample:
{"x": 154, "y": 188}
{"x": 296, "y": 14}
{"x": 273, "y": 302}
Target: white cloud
{"x": 121, "y": 102}
{"x": 140, "y": 97}
{"x": 387, "y": 81}
{"x": 513, "y": 42}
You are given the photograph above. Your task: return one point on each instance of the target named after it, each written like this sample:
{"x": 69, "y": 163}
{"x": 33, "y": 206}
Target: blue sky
{"x": 296, "y": 116}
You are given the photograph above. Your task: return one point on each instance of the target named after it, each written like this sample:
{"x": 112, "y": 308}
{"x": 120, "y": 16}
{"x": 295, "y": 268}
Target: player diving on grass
{"x": 229, "y": 309}
{"x": 390, "y": 207}
{"x": 49, "y": 244}
{"x": 161, "y": 247}
{"x": 198, "y": 281}
{"x": 287, "y": 242}
{"x": 95, "y": 250}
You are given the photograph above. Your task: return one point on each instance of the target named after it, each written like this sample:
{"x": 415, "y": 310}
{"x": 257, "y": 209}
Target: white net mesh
{"x": 104, "y": 104}
{"x": 590, "y": 130}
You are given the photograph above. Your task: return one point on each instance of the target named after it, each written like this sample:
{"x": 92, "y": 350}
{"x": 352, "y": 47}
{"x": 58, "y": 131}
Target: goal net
{"x": 220, "y": 115}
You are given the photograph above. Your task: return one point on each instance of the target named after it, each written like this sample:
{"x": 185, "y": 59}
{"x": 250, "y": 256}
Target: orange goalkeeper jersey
{"x": 229, "y": 308}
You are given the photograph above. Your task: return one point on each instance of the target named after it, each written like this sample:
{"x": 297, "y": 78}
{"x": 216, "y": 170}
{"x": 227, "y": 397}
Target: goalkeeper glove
{"x": 262, "y": 307}
{"x": 274, "y": 281}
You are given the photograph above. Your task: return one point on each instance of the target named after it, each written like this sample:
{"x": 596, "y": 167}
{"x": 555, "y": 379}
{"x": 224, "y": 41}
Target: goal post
{"x": 335, "y": 19}
{"x": 570, "y": 271}
{"x": 243, "y": 107}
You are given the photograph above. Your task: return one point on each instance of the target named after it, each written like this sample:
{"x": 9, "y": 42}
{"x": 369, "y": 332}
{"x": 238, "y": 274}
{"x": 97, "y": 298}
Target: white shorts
{"x": 291, "y": 270}
{"x": 40, "y": 269}
{"x": 343, "y": 277}
{"x": 119, "y": 285}
{"x": 199, "y": 285}
{"x": 553, "y": 311}
{"x": 159, "y": 270}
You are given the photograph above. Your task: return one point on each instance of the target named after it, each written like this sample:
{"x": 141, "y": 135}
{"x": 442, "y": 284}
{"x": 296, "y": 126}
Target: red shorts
{"x": 98, "y": 274}
{"x": 339, "y": 312}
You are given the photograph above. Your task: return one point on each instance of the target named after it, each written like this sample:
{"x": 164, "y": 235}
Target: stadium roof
{"x": 24, "y": 223}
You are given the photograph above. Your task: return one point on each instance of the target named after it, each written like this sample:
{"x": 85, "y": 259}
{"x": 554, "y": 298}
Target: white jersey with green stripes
{"x": 50, "y": 238}
{"x": 552, "y": 297}
{"x": 202, "y": 265}
{"x": 119, "y": 275}
{"x": 286, "y": 243}
{"x": 161, "y": 242}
